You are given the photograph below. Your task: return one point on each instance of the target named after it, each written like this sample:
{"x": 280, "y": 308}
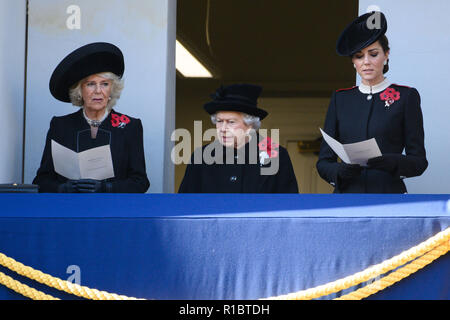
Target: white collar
{"x": 374, "y": 89}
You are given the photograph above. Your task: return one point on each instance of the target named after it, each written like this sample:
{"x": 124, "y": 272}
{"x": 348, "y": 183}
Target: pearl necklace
{"x": 95, "y": 123}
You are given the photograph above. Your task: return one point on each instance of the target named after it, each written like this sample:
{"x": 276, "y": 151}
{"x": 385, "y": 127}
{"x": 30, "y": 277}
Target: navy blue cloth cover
{"x": 239, "y": 246}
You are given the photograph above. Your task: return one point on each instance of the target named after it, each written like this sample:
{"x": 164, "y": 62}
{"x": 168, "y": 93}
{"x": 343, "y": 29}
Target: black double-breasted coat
{"x": 124, "y": 134}
{"x": 238, "y": 176}
{"x": 397, "y": 126}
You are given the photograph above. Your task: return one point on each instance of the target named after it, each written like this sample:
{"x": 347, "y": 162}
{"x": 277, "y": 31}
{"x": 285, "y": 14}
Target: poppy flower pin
{"x": 119, "y": 121}
{"x": 389, "y": 96}
{"x": 267, "y": 150}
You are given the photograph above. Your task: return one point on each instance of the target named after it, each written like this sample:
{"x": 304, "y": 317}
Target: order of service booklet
{"x": 353, "y": 153}
{"x": 95, "y": 163}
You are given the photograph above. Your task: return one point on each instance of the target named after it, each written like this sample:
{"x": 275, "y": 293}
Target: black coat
{"x": 353, "y": 118}
{"x": 238, "y": 177}
{"x": 125, "y": 140}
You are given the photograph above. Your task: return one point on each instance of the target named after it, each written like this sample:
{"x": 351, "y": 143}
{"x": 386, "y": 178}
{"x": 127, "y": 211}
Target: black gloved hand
{"x": 93, "y": 186}
{"x": 89, "y": 186}
{"x": 68, "y": 187}
{"x": 387, "y": 162}
{"x": 348, "y": 171}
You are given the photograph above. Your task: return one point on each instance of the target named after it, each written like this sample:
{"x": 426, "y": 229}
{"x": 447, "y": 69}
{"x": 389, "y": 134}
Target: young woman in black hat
{"x": 239, "y": 160}
{"x": 376, "y": 108}
{"x": 91, "y": 78}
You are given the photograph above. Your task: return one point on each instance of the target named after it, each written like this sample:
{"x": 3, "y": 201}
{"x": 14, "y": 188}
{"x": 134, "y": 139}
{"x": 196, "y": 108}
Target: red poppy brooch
{"x": 267, "y": 150}
{"x": 389, "y": 96}
{"x": 119, "y": 121}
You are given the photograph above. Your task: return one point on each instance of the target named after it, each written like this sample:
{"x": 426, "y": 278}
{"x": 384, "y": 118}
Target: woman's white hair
{"x": 253, "y": 121}
{"x": 116, "y": 89}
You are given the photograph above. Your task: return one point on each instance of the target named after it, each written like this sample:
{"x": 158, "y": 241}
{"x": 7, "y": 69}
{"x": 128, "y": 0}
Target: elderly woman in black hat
{"x": 91, "y": 78}
{"x": 236, "y": 161}
{"x": 377, "y": 108}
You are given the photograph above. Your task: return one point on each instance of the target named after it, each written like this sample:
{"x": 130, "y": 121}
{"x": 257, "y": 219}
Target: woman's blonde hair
{"x": 117, "y": 85}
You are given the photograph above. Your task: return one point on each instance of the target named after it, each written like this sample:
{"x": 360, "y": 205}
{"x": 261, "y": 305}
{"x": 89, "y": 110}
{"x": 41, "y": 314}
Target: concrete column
{"x": 12, "y": 81}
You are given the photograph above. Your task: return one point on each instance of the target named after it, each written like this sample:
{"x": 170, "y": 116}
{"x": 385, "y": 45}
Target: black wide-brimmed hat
{"x": 236, "y": 97}
{"x": 361, "y": 33}
{"x": 85, "y": 61}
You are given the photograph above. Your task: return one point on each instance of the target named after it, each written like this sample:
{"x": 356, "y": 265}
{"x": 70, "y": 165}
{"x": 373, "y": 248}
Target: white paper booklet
{"x": 354, "y": 153}
{"x": 95, "y": 163}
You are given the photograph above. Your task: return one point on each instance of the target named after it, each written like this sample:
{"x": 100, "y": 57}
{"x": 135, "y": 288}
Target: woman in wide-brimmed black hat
{"x": 91, "y": 78}
{"x": 239, "y": 160}
{"x": 377, "y": 108}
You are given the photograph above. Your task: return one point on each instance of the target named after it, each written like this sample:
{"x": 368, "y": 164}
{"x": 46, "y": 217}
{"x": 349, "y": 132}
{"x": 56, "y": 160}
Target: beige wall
{"x": 296, "y": 118}
{"x": 299, "y": 119}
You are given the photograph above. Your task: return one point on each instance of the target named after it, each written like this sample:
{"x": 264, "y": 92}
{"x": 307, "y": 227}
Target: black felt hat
{"x": 85, "y": 61}
{"x": 362, "y": 32}
{"x": 236, "y": 97}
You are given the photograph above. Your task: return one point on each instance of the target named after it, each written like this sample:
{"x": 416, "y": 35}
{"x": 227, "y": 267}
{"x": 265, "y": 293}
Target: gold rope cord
{"x": 23, "y": 289}
{"x": 423, "y": 254}
{"x": 63, "y": 285}
{"x": 398, "y": 274}
{"x": 442, "y": 237}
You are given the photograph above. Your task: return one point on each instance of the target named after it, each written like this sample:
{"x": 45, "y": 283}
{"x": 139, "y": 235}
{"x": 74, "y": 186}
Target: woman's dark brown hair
{"x": 384, "y": 42}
